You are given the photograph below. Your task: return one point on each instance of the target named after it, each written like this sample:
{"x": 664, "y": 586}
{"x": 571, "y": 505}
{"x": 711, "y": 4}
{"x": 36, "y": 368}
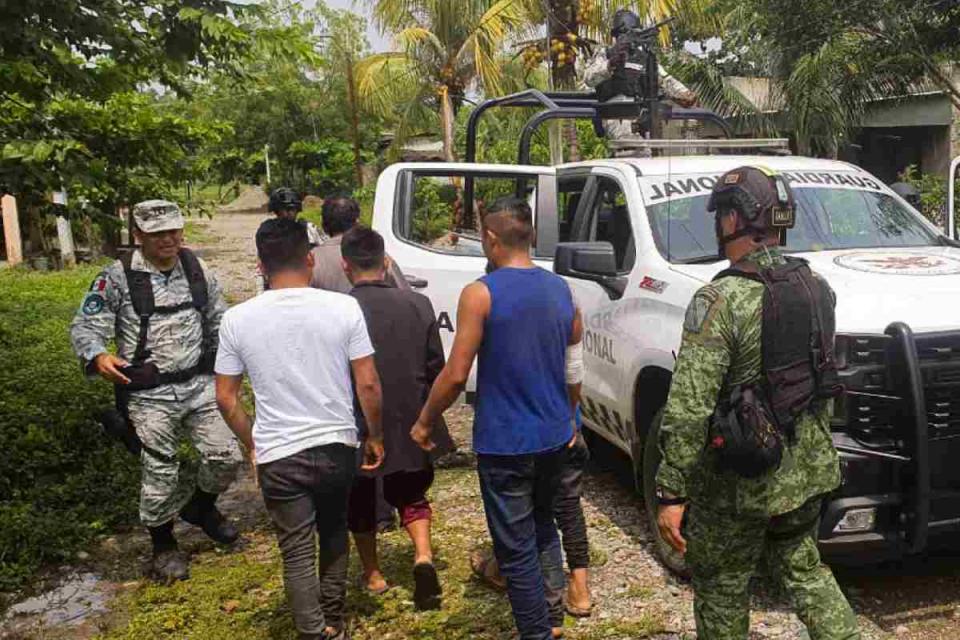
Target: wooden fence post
{"x": 11, "y": 230}
{"x": 68, "y": 252}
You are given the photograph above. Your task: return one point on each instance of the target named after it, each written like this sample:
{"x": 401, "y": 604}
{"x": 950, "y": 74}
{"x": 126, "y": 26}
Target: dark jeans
{"x": 519, "y": 496}
{"x": 573, "y": 526}
{"x": 306, "y": 495}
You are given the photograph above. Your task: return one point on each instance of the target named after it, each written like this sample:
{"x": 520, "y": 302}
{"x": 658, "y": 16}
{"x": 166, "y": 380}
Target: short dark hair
{"x": 362, "y": 248}
{"x": 282, "y": 244}
{"x": 340, "y": 214}
{"x": 511, "y": 220}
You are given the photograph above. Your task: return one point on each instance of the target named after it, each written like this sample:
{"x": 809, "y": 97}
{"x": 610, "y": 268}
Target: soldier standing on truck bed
{"x": 751, "y": 470}
{"x": 163, "y": 307}
{"x": 609, "y": 74}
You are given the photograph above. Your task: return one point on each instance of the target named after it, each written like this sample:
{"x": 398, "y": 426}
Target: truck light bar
{"x": 778, "y": 145}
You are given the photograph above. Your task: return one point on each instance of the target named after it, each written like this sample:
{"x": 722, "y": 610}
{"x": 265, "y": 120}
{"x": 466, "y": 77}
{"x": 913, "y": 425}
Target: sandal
{"x": 373, "y": 592}
{"x": 485, "y": 567}
{"x": 575, "y": 611}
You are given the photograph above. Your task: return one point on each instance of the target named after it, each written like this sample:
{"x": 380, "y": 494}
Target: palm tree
{"x": 819, "y": 85}
{"x": 445, "y": 49}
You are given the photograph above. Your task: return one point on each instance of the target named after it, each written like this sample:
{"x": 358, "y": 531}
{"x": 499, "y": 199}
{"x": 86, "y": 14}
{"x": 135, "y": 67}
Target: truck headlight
{"x": 857, "y": 520}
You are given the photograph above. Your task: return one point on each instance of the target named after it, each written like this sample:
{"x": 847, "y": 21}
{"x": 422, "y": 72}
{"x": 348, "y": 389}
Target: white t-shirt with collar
{"x": 296, "y": 346}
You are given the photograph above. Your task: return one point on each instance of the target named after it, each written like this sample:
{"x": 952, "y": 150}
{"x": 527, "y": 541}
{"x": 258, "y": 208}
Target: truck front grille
{"x": 874, "y": 408}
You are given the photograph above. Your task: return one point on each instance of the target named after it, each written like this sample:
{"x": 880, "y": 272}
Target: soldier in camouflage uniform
{"x": 733, "y": 521}
{"x": 176, "y": 342}
{"x": 602, "y": 67}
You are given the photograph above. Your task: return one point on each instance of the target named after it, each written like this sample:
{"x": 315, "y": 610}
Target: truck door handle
{"x": 415, "y": 281}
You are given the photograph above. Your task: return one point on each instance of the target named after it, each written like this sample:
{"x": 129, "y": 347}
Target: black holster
{"x": 116, "y": 422}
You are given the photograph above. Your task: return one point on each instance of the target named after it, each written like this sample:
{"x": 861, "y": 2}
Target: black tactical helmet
{"x": 285, "y": 199}
{"x": 760, "y": 195}
{"x": 624, "y": 20}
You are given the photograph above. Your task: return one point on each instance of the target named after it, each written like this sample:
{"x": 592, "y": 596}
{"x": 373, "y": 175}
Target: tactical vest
{"x": 799, "y": 366}
{"x": 631, "y": 81}
{"x": 144, "y": 305}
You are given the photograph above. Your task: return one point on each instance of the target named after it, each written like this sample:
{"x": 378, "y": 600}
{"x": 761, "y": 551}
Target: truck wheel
{"x": 651, "y": 462}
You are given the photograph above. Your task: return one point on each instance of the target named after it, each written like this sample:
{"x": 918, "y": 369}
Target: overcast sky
{"x": 377, "y": 42}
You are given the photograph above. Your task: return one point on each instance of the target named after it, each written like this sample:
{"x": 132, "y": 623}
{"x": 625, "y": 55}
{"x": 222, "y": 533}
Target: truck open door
{"x": 419, "y": 210}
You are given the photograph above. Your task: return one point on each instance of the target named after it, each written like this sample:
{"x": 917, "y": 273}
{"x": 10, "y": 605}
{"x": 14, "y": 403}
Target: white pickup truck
{"x": 634, "y": 240}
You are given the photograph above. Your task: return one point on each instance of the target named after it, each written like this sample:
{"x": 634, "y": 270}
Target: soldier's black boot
{"x": 202, "y": 512}
{"x": 169, "y": 564}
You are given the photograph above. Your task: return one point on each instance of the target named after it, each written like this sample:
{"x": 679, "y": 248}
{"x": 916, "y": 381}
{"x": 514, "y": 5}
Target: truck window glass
{"x": 434, "y": 218}
{"x": 610, "y": 222}
{"x": 827, "y": 218}
{"x": 569, "y": 193}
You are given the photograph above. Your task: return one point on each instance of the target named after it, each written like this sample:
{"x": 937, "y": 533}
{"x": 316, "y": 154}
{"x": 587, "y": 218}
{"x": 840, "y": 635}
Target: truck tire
{"x": 651, "y": 462}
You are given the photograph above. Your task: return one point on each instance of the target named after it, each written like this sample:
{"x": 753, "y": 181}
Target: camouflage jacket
{"x": 721, "y": 347}
{"x": 176, "y": 342}
{"x": 597, "y": 71}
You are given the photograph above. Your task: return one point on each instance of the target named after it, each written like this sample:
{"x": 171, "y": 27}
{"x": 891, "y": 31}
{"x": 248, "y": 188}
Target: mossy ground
{"x": 239, "y": 594}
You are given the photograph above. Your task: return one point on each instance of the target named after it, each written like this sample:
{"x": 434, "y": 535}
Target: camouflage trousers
{"x": 723, "y": 552}
{"x": 167, "y": 480}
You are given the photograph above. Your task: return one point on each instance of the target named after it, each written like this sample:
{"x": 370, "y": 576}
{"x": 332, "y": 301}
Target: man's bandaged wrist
{"x": 575, "y": 363}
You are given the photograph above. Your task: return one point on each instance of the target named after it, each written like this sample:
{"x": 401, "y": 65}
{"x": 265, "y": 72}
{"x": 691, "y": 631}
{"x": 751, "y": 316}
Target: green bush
{"x": 61, "y": 481}
{"x": 933, "y": 193}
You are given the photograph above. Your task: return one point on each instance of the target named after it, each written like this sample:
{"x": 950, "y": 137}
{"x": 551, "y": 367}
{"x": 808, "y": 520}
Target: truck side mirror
{"x": 594, "y": 261}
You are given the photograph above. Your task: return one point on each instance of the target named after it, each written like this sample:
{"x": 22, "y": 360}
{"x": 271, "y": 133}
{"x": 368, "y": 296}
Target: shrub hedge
{"x": 61, "y": 481}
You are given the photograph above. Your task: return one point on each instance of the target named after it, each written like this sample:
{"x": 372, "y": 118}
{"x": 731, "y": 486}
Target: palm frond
{"x": 413, "y": 37}
{"x": 485, "y": 42}
{"x": 717, "y": 93}
{"x": 385, "y": 80}
{"x": 414, "y": 117}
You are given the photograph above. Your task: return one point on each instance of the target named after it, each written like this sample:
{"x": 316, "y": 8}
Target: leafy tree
{"x": 72, "y": 108}
{"x": 299, "y": 106}
{"x": 446, "y": 49}
{"x": 826, "y": 61}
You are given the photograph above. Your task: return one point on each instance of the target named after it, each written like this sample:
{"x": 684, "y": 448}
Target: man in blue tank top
{"x": 521, "y": 321}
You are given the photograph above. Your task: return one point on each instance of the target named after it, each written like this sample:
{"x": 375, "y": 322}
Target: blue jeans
{"x": 519, "y": 495}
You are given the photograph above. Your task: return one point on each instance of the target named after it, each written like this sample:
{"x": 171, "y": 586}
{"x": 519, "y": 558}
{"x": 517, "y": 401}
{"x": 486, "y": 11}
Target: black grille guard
{"x": 904, "y": 369}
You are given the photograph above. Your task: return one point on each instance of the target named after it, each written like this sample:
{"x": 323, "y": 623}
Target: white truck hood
{"x": 874, "y": 287}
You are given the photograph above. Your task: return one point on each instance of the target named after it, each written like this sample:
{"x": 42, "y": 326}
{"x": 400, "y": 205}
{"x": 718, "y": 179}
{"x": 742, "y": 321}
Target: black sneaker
{"x": 217, "y": 528}
{"x": 426, "y": 591}
{"x": 169, "y": 566}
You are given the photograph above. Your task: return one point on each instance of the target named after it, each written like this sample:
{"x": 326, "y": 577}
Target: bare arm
{"x": 576, "y": 336}
{"x": 228, "y": 401}
{"x": 472, "y": 312}
{"x": 367, "y": 384}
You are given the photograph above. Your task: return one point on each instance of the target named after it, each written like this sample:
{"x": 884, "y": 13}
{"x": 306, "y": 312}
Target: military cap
{"x": 153, "y": 216}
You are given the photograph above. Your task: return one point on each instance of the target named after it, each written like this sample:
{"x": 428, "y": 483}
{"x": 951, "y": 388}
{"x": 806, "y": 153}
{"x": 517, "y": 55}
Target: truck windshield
{"x": 827, "y": 218}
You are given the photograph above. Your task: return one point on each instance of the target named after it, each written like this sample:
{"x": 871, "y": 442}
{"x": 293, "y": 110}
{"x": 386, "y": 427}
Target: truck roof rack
{"x": 577, "y": 105}
{"x": 705, "y": 146}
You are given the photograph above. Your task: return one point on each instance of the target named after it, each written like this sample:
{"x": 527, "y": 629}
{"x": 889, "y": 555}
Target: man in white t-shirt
{"x": 299, "y": 347}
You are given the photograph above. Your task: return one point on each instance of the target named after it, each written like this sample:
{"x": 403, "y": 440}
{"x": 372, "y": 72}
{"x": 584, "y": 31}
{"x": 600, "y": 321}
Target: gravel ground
{"x": 635, "y": 597}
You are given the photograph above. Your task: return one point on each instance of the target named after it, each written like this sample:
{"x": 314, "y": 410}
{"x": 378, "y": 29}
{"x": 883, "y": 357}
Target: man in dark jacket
{"x": 409, "y": 356}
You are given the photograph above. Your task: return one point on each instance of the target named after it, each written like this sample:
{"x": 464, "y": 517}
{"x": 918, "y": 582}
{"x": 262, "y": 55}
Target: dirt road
{"x": 635, "y": 597}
